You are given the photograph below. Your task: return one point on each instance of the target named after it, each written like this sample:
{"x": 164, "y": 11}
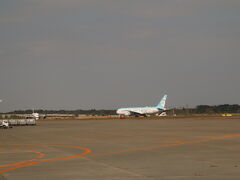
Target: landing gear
{"x": 122, "y": 117}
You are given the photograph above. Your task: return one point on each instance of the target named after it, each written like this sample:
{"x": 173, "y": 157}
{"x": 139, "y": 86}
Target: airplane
{"x": 143, "y": 111}
{"x": 36, "y": 116}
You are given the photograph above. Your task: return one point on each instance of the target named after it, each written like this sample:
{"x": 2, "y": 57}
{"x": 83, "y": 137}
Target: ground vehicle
{"x": 22, "y": 122}
{"x": 13, "y": 122}
{"x": 4, "y": 124}
{"x": 31, "y": 122}
{"x": 17, "y": 122}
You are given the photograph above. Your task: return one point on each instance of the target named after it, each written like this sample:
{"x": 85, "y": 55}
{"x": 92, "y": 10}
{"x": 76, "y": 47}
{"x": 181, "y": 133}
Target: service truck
{"x": 4, "y": 124}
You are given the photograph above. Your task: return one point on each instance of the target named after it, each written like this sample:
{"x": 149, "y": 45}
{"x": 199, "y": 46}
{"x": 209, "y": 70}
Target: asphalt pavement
{"x": 166, "y": 149}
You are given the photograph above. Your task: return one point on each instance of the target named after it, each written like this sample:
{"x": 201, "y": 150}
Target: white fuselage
{"x": 36, "y": 116}
{"x": 138, "y": 110}
{"x": 143, "y": 111}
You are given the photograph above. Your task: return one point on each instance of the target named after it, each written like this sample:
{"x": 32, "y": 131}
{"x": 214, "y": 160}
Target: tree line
{"x": 92, "y": 112}
{"x": 225, "y": 108}
{"x": 200, "y": 109}
{"x": 207, "y": 109}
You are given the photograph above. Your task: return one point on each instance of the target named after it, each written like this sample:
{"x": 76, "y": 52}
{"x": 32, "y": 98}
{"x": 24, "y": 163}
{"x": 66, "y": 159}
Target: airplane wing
{"x": 135, "y": 113}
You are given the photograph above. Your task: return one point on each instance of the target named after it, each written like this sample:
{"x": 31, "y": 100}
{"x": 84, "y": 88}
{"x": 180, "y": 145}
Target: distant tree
{"x": 201, "y": 109}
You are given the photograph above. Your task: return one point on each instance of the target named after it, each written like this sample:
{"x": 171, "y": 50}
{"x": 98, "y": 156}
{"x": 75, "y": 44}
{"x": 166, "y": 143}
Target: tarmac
{"x": 165, "y": 149}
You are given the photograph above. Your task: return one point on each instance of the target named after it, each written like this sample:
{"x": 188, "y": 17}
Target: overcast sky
{"x": 105, "y": 54}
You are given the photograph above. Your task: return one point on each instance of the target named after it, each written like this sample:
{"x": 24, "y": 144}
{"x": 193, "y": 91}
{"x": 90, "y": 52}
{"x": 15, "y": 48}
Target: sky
{"x": 106, "y": 54}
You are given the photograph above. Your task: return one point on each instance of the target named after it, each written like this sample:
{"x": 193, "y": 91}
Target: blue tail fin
{"x": 162, "y": 103}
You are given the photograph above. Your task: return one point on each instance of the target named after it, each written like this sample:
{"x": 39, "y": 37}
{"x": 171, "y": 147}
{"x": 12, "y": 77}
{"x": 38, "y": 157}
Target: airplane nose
{"x": 118, "y": 111}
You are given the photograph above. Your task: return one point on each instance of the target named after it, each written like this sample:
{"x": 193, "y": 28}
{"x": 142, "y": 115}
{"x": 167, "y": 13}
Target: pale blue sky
{"x": 82, "y": 54}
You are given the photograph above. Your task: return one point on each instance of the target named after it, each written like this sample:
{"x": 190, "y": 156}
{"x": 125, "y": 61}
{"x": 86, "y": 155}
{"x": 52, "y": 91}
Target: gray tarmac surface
{"x": 180, "y": 149}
